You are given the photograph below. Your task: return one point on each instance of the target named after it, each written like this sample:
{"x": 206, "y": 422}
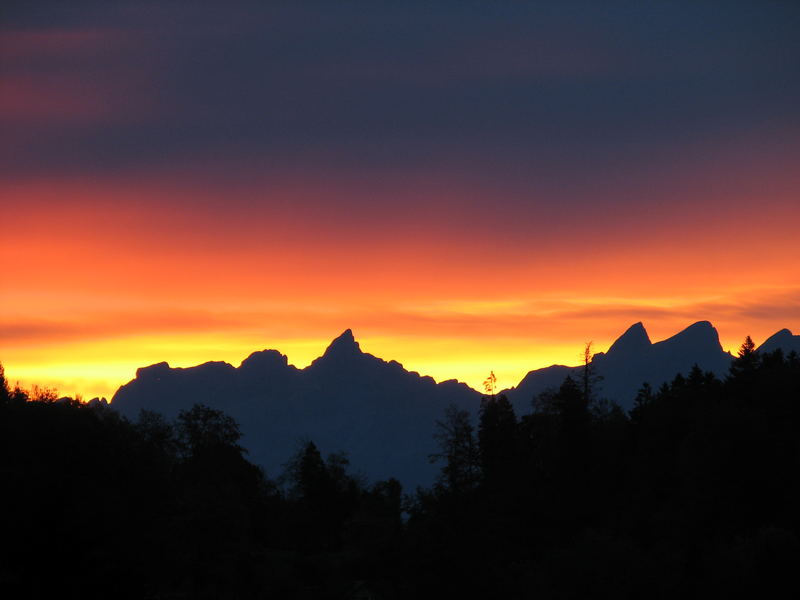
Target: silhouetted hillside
{"x": 381, "y": 415}
{"x": 633, "y": 360}
{"x": 782, "y": 340}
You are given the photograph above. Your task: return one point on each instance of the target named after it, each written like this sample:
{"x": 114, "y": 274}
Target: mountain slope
{"x": 630, "y": 361}
{"x": 384, "y": 416}
{"x": 784, "y": 340}
{"x": 381, "y": 415}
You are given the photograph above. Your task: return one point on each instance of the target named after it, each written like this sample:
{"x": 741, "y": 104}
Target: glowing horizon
{"x": 89, "y": 373}
{"x": 470, "y": 190}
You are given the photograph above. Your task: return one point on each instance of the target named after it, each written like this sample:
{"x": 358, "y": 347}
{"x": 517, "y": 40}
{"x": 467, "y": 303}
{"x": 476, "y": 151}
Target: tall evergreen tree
{"x": 497, "y": 439}
{"x": 5, "y": 392}
{"x": 459, "y": 450}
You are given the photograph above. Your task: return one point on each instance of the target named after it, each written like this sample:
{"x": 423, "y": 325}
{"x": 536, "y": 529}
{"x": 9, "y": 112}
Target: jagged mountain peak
{"x": 344, "y": 345}
{"x": 343, "y": 350}
{"x": 635, "y": 339}
{"x": 702, "y": 333}
{"x": 783, "y": 339}
{"x": 783, "y": 334}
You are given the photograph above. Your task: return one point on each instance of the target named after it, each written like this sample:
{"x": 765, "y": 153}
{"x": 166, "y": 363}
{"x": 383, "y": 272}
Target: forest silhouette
{"x": 693, "y": 492}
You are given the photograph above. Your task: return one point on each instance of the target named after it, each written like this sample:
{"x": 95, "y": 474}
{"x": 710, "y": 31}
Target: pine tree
{"x": 458, "y": 448}
{"x": 497, "y": 439}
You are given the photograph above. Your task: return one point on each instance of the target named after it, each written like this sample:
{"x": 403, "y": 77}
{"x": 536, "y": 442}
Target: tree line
{"x": 694, "y": 491}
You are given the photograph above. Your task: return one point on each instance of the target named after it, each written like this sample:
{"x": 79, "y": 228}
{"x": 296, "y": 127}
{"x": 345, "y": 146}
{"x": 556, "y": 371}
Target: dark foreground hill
{"x": 382, "y": 416}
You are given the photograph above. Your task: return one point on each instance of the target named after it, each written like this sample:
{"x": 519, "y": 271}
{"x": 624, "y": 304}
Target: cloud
{"x": 501, "y": 172}
{"x": 113, "y": 324}
{"x": 469, "y": 319}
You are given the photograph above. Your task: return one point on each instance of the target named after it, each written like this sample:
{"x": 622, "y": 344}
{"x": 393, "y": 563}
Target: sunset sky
{"x": 467, "y": 185}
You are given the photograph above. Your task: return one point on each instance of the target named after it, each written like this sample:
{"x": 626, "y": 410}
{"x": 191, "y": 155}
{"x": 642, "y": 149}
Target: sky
{"x": 469, "y": 186}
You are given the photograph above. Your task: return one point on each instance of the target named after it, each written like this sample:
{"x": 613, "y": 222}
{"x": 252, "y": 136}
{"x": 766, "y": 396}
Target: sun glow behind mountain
{"x": 468, "y": 190}
{"x": 165, "y": 270}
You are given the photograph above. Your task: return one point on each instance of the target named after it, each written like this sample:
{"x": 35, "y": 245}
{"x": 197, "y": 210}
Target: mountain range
{"x": 632, "y": 360}
{"x": 383, "y": 416}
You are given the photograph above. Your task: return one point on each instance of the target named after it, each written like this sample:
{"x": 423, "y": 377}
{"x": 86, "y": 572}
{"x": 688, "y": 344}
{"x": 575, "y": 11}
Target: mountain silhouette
{"x": 632, "y": 360}
{"x": 381, "y": 415}
{"x": 783, "y": 340}
{"x": 384, "y": 416}
{"x": 635, "y": 339}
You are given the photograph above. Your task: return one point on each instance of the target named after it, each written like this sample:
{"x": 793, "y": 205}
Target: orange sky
{"x": 469, "y": 189}
{"x": 105, "y": 276}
